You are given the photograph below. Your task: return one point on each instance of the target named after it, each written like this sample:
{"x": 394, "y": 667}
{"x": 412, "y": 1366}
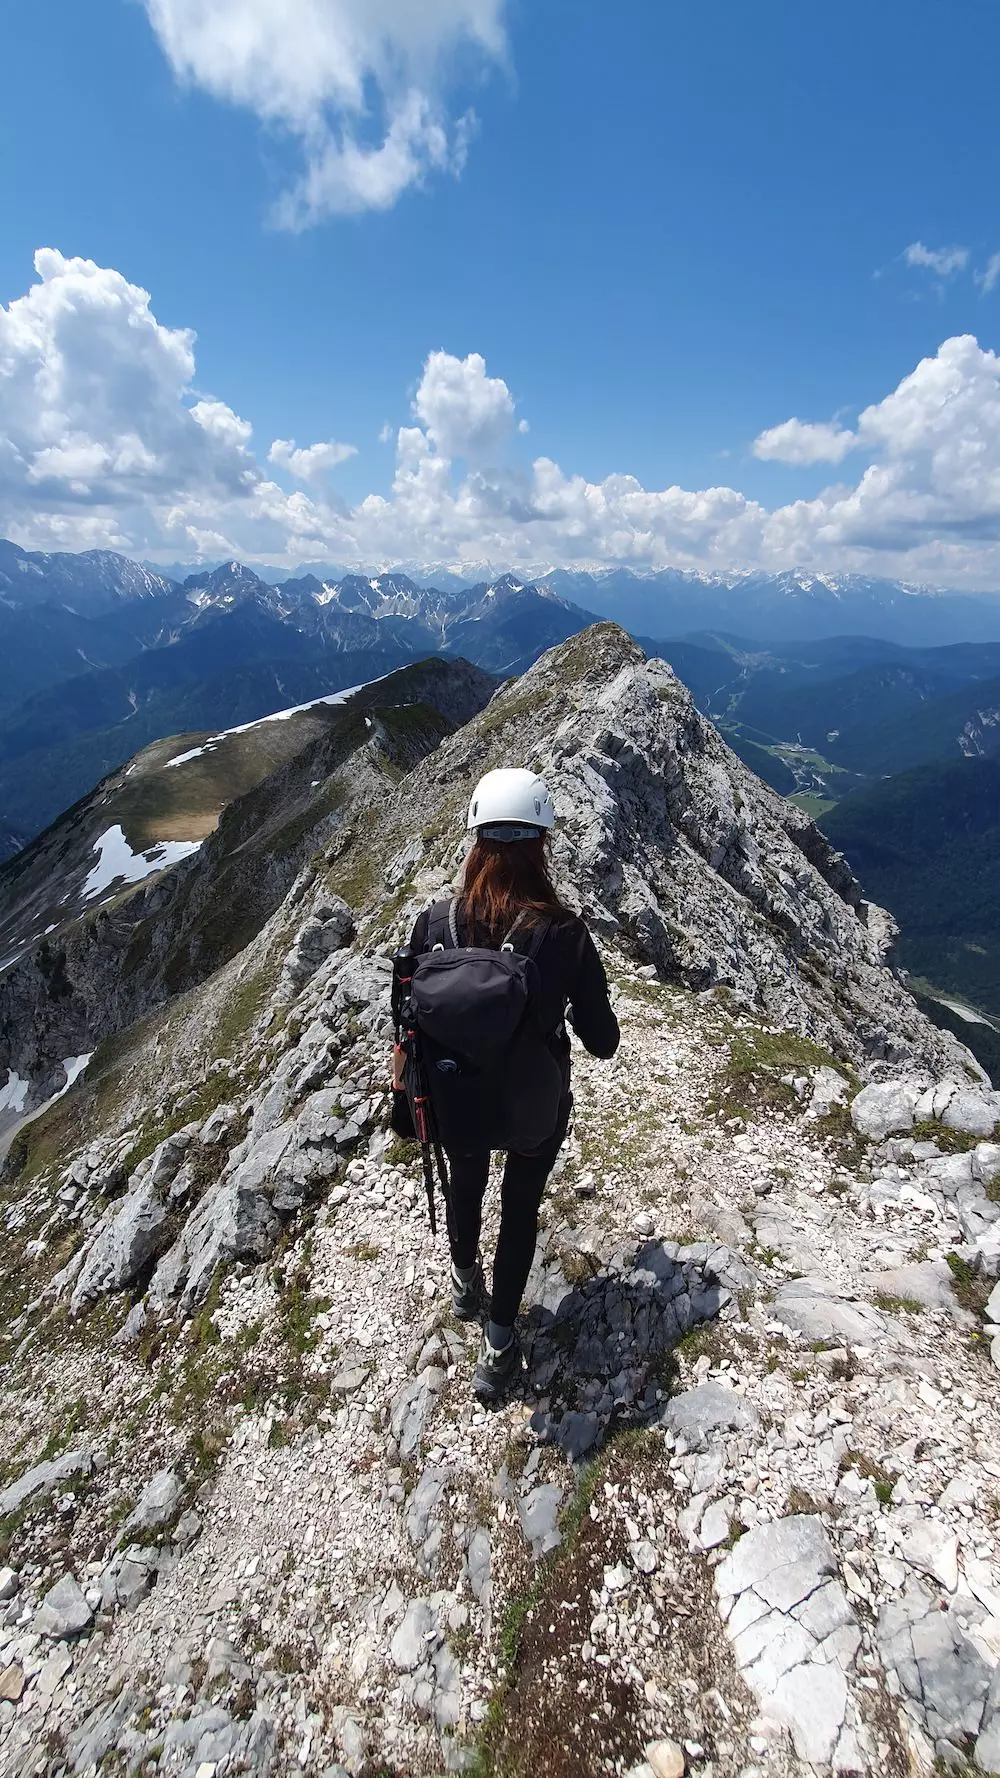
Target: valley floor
{"x": 742, "y": 1521}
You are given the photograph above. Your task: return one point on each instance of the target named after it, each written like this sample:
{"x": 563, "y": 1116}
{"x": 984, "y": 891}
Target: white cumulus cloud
{"x": 311, "y": 462}
{"x": 95, "y": 418}
{"x": 802, "y": 442}
{"x": 103, "y": 438}
{"x": 363, "y": 85}
{"x": 943, "y": 261}
{"x": 106, "y": 440}
{"x": 466, "y": 413}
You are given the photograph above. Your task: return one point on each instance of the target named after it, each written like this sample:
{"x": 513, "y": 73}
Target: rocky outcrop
{"x": 796, "y": 1638}
{"x": 676, "y": 851}
{"x": 43, "y": 1479}
{"x": 328, "y": 929}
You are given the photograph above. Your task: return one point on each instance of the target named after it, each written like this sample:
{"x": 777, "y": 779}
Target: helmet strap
{"x": 508, "y": 830}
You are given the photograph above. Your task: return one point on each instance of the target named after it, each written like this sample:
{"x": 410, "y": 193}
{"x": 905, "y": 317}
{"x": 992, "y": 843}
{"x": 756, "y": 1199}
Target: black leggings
{"x": 524, "y": 1180}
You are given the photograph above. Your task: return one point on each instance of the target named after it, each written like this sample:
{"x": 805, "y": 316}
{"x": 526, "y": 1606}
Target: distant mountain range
{"x": 788, "y": 607}
{"x": 858, "y": 680}
{"x": 104, "y": 657}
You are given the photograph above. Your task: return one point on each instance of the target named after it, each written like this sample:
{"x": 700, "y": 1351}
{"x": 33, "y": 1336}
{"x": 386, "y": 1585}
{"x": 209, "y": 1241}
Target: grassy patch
{"x": 242, "y": 1008}
{"x": 508, "y": 708}
{"x": 842, "y": 1139}
{"x": 948, "y": 1141}
{"x": 62, "y": 1436}
{"x": 298, "y": 1308}
{"x": 530, "y": 1728}
{"x": 750, "y": 1080}
{"x": 971, "y": 1289}
{"x": 897, "y": 1305}
{"x": 578, "y": 1267}
{"x": 648, "y": 992}
{"x": 356, "y": 873}
{"x": 214, "y": 1377}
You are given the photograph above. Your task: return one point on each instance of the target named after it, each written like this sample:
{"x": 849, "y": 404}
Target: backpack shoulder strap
{"x": 538, "y": 935}
{"x": 442, "y": 925}
{"x": 535, "y": 936}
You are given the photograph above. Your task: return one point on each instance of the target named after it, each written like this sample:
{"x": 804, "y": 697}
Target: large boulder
{"x": 986, "y": 1162}
{"x": 44, "y": 1478}
{"x": 328, "y": 929}
{"x": 166, "y": 1160}
{"x": 696, "y": 1414}
{"x": 158, "y": 1502}
{"x": 124, "y": 1247}
{"x": 64, "y": 1610}
{"x": 974, "y": 1114}
{"x": 817, "y": 1313}
{"x": 886, "y": 1108}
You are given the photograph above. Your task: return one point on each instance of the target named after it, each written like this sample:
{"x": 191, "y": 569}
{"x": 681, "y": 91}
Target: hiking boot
{"x": 497, "y": 1370}
{"x": 468, "y": 1301}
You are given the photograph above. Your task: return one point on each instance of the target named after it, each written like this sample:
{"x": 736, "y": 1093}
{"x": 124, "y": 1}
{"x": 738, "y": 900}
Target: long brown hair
{"x": 504, "y": 878}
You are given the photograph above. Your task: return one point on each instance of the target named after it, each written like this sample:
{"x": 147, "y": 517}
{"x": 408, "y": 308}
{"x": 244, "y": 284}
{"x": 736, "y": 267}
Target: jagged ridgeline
{"x": 241, "y": 1443}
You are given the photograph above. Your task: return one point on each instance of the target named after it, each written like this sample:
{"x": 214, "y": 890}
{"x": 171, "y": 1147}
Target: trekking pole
{"x": 402, "y": 975}
{"x": 408, "y": 1036}
{"x": 421, "y": 1103}
{"x": 445, "y": 1178}
{"x": 422, "y": 1119}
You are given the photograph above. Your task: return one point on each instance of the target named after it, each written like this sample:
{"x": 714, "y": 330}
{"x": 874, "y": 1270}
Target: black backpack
{"x": 491, "y": 1074}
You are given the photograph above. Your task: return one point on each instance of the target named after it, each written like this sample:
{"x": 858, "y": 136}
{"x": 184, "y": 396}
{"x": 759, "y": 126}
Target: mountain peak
{"x": 230, "y": 577}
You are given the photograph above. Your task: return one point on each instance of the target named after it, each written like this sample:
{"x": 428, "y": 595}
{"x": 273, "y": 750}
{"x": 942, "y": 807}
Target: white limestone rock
{"x": 64, "y": 1610}
{"x": 157, "y": 1503}
{"x": 974, "y": 1114}
{"x": 885, "y": 1108}
{"x": 43, "y": 1479}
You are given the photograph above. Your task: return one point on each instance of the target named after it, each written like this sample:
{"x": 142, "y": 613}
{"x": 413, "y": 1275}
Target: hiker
{"x": 505, "y": 949}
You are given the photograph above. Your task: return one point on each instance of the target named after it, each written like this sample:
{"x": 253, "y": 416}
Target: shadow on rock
{"x": 596, "y": 1352}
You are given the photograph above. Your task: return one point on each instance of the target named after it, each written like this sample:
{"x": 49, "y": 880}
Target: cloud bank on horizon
{"x": 106, "y": 442}
{"x": 361, "y": 86}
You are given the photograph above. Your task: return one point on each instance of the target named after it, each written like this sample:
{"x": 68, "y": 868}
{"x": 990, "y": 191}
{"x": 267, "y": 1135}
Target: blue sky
{"x": 672, "y": 229}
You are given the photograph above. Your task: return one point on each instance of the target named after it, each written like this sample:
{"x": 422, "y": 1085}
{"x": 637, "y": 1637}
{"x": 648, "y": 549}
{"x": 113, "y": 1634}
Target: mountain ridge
{"x": 246, "y": 1474}
{"x": 84, "y": 951}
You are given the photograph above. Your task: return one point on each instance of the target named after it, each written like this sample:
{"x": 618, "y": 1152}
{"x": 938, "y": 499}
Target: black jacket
{"x": 573, "y": 982}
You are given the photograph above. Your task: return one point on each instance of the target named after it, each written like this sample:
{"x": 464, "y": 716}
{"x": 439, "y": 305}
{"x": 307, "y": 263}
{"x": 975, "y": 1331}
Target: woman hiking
{"x": 508, "y": 904}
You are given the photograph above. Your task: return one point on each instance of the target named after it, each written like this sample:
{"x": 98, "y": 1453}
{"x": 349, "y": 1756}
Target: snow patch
{"x": 74, "y": 1066}
{"x": 192, "y": 753}
{"x": 14, "y": 1093}
{"x": 336, "y": 697}
{"x": 116, "y": 860}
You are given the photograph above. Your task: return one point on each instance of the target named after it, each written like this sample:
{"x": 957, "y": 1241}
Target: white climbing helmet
{"x": 513, "y": 804}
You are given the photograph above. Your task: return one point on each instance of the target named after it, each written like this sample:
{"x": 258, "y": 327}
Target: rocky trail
{"x": 742, "y": 1520}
